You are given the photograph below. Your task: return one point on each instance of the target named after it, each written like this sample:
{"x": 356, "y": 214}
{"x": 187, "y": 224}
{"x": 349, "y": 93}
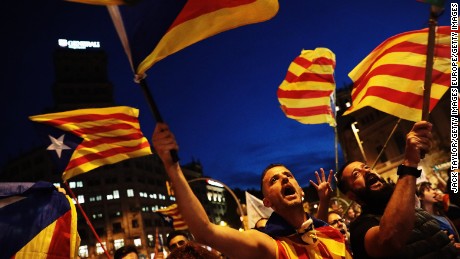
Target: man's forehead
{"x": 276, "y": 170}
{"x": 352, "y": 166}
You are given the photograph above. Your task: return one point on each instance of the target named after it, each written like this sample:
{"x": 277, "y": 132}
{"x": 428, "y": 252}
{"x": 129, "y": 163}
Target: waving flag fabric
{"x": 256, "y": 210}
{"x": 37, "y": 221}
{"x": 391, "y": 77}
{"x": 305, "y": 93}
{"x": 109, "y": 135}
{"x": 156, "y": 29}
{"x": 172, "y": 217}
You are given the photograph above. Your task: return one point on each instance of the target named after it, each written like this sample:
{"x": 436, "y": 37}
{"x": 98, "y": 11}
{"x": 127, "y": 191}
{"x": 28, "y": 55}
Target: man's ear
{"x": 267, "y": 203}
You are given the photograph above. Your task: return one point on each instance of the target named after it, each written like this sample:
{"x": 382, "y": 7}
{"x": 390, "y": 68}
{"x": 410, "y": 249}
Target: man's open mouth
{"x": 288, "y": 190}
{"x": 372, "y": 179}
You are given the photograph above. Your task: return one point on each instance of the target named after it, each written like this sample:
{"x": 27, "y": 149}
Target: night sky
{"x": 219, "y": 95}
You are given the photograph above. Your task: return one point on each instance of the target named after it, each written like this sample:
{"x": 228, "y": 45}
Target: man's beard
{"x": 375, "y": 200}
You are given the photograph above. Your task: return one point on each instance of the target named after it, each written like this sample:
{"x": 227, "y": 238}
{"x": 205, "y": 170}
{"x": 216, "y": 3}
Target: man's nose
{"x": 285, "y": 179}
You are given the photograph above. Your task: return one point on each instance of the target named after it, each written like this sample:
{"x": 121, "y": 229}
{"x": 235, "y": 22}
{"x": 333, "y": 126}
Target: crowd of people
{"x": 399, "y": 219}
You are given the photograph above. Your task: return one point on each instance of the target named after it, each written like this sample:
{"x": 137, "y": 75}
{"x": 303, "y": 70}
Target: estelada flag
{"x": 172, "y": 217}
{"x": 305, "y": 93}
{"x": 109, "y": 135}
{"x": 391, "y": 77}
{"x": 37, "y": 221}
{"x": 152, "y": 30}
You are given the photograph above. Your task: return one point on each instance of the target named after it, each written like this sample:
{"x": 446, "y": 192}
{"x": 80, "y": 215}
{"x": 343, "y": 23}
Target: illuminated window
{"x": 155, "y": 196}
{"x": 117, "y": 243}
{"x": 99, "y": 249}
{"x": 109, "y": 196}
{"x": 98, "y": 198}
{"x": 137, "y": 241}
{"x": 209, "y": 196}
{"x": 172, "y": 198}
{"x": 130, "y": 192}
{"x": 83, "y": 251}
{"x": 116, "y": 194}
{"x": 72, "y": 185}
{"x": 91, "y": 199}
{"x": 81, "y": 199}
{"x": 150, "y": 240}
{"x": 79, "y": 184}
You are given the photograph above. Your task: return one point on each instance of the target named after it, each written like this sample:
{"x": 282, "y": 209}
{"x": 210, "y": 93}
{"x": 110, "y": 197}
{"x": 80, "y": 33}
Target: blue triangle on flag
{"x": 59, "y": 144}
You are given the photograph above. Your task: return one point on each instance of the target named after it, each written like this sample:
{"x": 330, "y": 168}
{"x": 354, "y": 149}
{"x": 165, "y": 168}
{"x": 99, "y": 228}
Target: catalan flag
{"x": 172, "y": 217}
{"x": 109, "y": 135}
{"x": 37, "y": 221}
{"x": 305, "y": 93}
{"x": 153, "y": 30}
{"x": 391, "y": 77}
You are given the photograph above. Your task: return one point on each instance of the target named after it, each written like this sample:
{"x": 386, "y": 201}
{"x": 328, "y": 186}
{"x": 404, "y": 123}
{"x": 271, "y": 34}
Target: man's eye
{"x": 273, "y": 180}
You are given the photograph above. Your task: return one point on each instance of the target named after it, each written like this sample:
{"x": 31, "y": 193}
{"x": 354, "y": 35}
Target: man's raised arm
{"x": 231, "y": 242}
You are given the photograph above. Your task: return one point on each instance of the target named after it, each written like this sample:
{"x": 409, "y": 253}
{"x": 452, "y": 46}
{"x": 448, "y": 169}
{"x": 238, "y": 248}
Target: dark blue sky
{"x": 219, "y": 95}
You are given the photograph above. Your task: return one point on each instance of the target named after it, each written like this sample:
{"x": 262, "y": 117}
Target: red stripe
{"x": 104, "y": 128}
{"x": 60, "y": 241}
{"x": 104, "y": 154}
{"x": 308, "y": 76}
{"x": 305, "y": 63}
{"x": 410, "y": 100}
{"x": 92, "y": 117}
{"x": 303, "y": 94}
{"x": 196, "y": 8}
{"x": 403, "y": 71}
{"x": 304, "y": 112}
{"x": 113, "y": 139}
{"x": 440, "y": 51}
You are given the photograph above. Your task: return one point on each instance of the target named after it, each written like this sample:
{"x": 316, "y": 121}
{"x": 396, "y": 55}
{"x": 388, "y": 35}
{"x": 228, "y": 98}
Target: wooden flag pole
{"x": 429, "y": 65}
{"x": 87, "y": 220}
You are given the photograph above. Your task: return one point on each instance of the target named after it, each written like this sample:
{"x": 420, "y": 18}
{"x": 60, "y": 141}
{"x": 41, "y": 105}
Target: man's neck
{"x": 295, "y": 217}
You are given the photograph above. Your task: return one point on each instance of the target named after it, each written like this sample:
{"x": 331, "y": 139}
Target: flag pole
{"x": 386, "y": 143}
{"x": 429, "y": 63}
{"x": 115, "y": 15}
{"x": 87, "y": 220}
{"x": 155, "y": 111}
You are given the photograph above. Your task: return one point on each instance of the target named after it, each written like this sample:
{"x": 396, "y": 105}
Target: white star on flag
{"x": 57, "y": 145}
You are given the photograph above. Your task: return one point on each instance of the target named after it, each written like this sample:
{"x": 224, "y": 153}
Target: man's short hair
{"x": 123, "y": 251}
{"x": 341, "y": 185}
{"x": 270, "y": 166}
{"x": 174, "y": 234}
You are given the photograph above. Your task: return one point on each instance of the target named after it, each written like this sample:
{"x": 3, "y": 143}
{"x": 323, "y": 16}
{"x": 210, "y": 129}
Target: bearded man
{"x": 390, "y": 226}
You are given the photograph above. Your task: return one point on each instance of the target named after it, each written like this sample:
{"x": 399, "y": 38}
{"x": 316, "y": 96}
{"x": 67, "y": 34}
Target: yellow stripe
{"x": 206, "y": 26}
{"x": 298, "y": 70}
{"x": 305, "y": 103}
{"x": 402, "y": 85}
{"x": 316, "y": 119}
{"x": 307, "y": 85}
{"x": 420, "y": 38}
{"x": 103, "y": 111}
{"x": 402, "y": 111}
{"x": 74, "y": 236}
{"x": 38, "y": 247}
{"x": 107, "y": 160}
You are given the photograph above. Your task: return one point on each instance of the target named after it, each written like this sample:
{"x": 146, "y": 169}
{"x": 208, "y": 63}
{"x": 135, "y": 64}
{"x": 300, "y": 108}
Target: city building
{"x": 117, "y": 203}
{"x": 379, "y": 138}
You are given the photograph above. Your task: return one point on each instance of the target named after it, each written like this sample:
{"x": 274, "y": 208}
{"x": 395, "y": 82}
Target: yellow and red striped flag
{"x": 172, "y": 217}
{"x": 153, "y": 30}
{"x": 391, "y": 77}
{"x": 305, "y": 93}
{"x": 109, "y": 135}
{"x": 37, "y": 221}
